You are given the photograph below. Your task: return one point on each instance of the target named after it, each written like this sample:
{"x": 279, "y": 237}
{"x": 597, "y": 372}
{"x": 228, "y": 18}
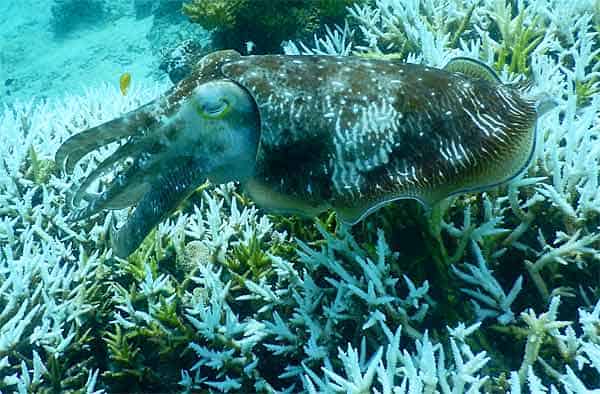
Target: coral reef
{"x": 265, "y": 23}
{"x": 494, "y": 292}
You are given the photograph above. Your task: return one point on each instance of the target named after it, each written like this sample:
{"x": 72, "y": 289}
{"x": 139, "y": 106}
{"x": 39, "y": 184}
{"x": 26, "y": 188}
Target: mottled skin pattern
{"x": 356, "y": 132}
{"x": 307, "y": 133}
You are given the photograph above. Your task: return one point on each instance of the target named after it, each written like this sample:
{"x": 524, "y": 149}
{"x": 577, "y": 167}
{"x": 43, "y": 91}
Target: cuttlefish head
{"x": 171, "y": 146}
{"x": 217, "y": 127}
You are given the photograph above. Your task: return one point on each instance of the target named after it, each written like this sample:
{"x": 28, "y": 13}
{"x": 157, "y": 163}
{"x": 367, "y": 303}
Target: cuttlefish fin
{"x": 356, "y": 211}
{"x": 79, "y": 145}
{"x": 166, "y": 194}
{"x": 353, "y": 214}
{"x": 472, "y": 68}
{"x": 273, "y": 201}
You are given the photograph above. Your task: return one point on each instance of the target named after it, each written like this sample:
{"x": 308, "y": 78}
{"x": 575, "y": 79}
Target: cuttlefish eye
{"x": 220, "y": 100}
{"x": 212, "y": 108}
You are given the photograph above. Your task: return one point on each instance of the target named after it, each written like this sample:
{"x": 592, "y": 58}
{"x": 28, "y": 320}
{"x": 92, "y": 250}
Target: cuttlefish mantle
{"x": 304, "y": 134}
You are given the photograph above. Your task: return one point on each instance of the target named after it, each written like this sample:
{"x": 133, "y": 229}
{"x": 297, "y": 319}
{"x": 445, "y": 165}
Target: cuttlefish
{"x": 303, "y": 134}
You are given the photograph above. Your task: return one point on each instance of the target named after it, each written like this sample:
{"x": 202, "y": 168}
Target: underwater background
{"x": 491, "y": 292}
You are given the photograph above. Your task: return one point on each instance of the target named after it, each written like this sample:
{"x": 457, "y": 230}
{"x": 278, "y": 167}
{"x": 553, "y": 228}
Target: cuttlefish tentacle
{"x": 170, "y": 189}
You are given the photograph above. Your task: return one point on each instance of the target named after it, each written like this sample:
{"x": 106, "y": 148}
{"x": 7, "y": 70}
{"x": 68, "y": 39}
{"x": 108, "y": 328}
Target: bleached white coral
{"x": 47, "y": 277}
{"x": 394, "y": 369}
{"x": 243, "y": 305}
{"x": 495, "y": 300}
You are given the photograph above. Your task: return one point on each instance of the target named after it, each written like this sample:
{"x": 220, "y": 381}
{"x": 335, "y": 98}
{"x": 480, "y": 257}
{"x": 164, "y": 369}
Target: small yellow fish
{"x": 124, "y": 82}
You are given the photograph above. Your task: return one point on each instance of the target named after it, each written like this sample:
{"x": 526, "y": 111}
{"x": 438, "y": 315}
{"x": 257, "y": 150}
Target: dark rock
{"x": 177, "y": 62}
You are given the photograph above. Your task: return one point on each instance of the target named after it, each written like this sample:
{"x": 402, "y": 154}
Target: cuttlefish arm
{"x": 171, "y": 187}
{"x": 137, "y": 122}
{"x": 111, "y": 163}
{"x": 133, "y": 161}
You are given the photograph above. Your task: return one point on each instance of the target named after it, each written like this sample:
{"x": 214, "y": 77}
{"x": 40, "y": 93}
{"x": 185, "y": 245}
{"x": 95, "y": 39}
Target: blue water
{"x": 50, "y": 49}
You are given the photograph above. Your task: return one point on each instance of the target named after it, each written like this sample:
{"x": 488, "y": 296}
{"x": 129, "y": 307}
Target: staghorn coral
{"x": 264, "y": 23}
{"x": 491, "y": 293}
